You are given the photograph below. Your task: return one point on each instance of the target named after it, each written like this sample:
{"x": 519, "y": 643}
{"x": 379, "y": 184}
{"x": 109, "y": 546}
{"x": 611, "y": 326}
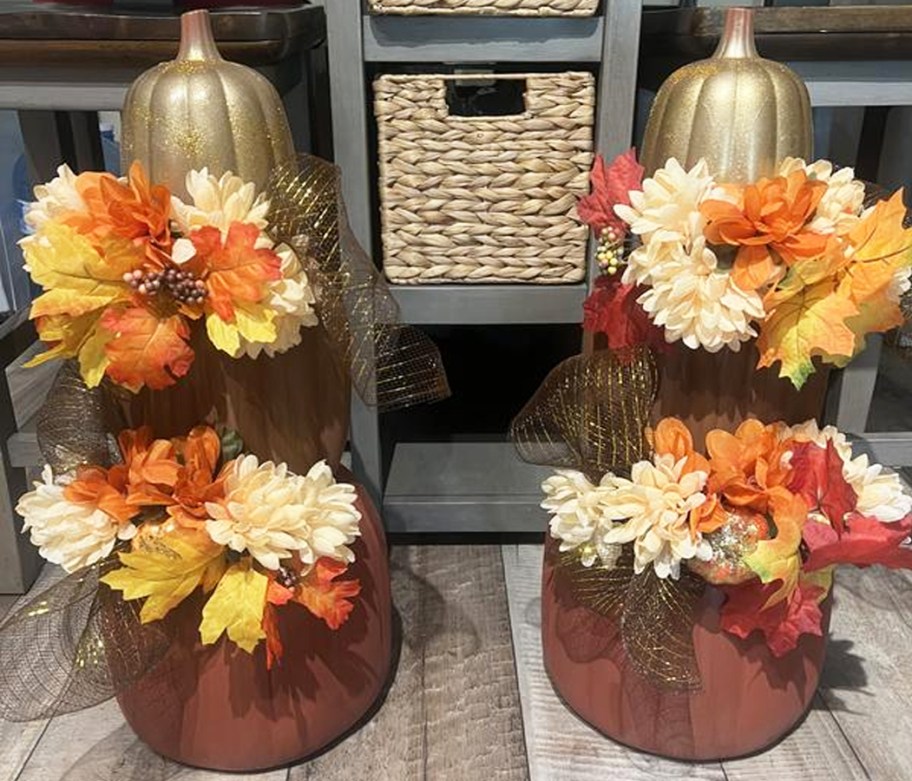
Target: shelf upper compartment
{"x": 469, "y": 39}
{"x": 454, "y": 304}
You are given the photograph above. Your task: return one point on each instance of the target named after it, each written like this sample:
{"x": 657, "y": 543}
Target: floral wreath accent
{"x": 766, "y": 515}
{"x": 796, "y": 260}
{"x": 174, "y": 516}
{"x": 126, "y": 267}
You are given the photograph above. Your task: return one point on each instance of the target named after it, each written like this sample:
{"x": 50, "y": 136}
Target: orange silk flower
{"x": 772, "y": 218}
{"x": 135, "y": 210}
{"x": 747, "y": 465}
{"x": 672, "y": 437}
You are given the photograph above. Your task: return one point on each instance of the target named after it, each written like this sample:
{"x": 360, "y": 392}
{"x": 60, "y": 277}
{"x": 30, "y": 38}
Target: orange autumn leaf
{"x": 779, "y": 559}
{"x": 274, "y": 648}
{"x": 146, "y": 350}
{"x": 799, "y": 326}
{"x": 326, "y": 599}
{"x": 881, "y": 249}
{"x": 105, "y": 489}
{"x": 236, "y": 270}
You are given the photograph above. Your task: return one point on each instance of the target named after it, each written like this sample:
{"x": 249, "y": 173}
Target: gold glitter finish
{"x": 730, "y": 543}
{"x": 740, "y": 112}
{"x": 200, "y": 110}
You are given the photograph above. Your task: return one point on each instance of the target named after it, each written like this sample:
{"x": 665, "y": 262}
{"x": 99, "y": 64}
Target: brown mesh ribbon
{"x": 590, "y": 414}
{"x": 392, "y": 365}
{"x": 75, "y": 644}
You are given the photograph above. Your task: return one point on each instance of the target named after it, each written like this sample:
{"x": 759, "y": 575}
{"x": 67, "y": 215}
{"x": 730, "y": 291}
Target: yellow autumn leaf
{"x": 80, "y": 337}
{"x": 779, "y": 559}
{"x": 93, "y": 361}
{"x": 167, "y": 572}
{"x": 803, "y": 324}
{"x": 73, "y": 272}
{"x": 236, "y": 607}
{"x": 253, "y": 322}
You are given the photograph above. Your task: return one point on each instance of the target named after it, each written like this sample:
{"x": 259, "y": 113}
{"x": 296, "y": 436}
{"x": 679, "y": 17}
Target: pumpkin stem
{"x": 197, "y": 41}
{"x": 738, "y": 36}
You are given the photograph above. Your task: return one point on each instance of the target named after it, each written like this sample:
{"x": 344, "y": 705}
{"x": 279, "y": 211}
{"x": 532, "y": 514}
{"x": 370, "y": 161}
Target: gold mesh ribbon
{"x": 75, "y": 422}
{"x": 590, "y": 414}
{"x": 75, "y": 644}
{"x": 392, "y": 365}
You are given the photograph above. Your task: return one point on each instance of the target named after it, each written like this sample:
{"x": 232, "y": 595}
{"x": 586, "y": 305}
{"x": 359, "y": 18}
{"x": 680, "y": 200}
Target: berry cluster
{"x": 180, "y": 285}
{"x": 609, "y": 252}
{"x": 286, "y": 577}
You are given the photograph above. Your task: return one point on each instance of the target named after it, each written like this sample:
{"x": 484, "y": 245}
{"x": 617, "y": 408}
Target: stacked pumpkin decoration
{"x": 221, "y": 626}
{"x": 743, "y": 115}
{"x": 200, "y": 110}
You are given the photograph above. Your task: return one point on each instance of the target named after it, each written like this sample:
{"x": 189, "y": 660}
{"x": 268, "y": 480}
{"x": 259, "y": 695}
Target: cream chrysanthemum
{"x": 657, "y": 500}
{"x": 271, "y": 513}
{"x": 219, "y": 202}
{"x": 667, "y": 208}
{"x": 54, "y": 198}
{"x": 73, "y": 535}
{"x": 840, "y": 207}
{"x": 582, "y": 514}
{"x": 292, "y": 300}
{"x": 693, "y": 300}
{"x": 687, "y": 293}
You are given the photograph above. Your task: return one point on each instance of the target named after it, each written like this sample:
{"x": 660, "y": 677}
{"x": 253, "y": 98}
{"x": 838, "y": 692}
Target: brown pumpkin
{"x": 200, "y": 110}
{"x": 741, "y": 113}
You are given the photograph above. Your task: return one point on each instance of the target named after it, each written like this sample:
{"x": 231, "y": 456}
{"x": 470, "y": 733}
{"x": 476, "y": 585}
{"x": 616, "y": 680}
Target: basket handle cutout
{"x": 486, "y": 97}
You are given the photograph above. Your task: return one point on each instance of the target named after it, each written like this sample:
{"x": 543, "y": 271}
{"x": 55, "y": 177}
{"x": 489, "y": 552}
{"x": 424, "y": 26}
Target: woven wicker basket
{"x": 490, "y": 7}
{"x": 484, "y": 199}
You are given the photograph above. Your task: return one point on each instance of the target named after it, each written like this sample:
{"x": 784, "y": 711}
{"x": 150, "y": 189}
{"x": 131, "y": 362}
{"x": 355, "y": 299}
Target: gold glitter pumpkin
{"x": 200, "y": 110}
{"x": 740, "y": 112}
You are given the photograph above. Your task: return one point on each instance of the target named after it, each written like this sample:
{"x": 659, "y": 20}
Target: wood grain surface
{"x": 464, "y": 707}
{"x": 453, "y": 710}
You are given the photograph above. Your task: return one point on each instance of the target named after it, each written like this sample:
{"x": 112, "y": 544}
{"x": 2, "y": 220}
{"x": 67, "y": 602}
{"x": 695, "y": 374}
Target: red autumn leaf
{"x": 324, "y": 598}
{"x": 274, "y": 648}
{"x": 817, "y": 477}
{"x": 783, "y": 623}
{"x": 235, "y": 271}
{"x": 610, "y": 185}
{"x": 863, "y": 541}
{"x": 146, "y": 349}
{"x": 611, "y": 309}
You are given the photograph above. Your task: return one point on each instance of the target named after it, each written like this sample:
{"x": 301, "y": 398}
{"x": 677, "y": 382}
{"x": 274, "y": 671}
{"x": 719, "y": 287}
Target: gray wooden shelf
{"x": 466, "y": 486}
{"x": 489, "y": 304}
{"x": 462, "y": 486}
{"x": 481, "y": 39}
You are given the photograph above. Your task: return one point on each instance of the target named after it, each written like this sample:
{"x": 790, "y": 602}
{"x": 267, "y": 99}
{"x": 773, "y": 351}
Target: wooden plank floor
{"x": 471, "y": 702}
